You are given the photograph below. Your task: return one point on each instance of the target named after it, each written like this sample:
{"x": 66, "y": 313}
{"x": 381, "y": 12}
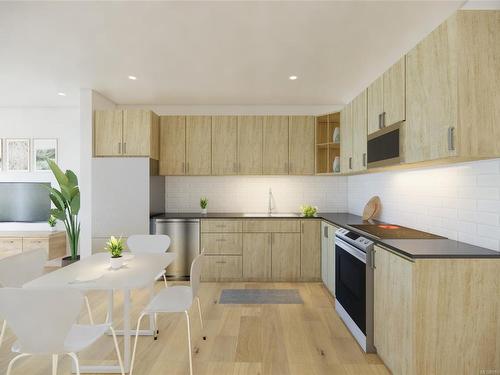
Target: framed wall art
{"x": 43, "y": 149}
{"x": 17, "y": 155}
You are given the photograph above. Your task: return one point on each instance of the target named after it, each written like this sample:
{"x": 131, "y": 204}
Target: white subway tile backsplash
{"x": 250, "y": 193}
{"x": 459, "y": 201}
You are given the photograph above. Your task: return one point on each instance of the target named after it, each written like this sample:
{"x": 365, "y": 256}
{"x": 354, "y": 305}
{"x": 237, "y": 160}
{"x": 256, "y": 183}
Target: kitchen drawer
{"x": 222, "y": 243}
{"x": 220, "y": 226}
{"x": 11, "y": 245}
{"x": 220, "y": 268}
{"x": 272, "y": 225}
{"x": 36, "y": 244}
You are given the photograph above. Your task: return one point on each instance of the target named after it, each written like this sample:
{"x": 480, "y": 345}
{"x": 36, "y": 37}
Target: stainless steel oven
{"x": 354, "y": 285}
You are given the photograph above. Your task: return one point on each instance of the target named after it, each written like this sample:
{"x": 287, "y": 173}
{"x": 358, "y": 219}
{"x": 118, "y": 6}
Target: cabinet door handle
{"x": 220, "y": 262}
{"x": 451, "y": 138}
{"x": 325, "y": 232}
{"x": 220, "y": 226}
{"x": 350, "y": 162}
{"x": 119, "y": 148}
{"x": 125, "y": 147}
{"x": 383, "y": 119}
{"x": 221, "y": 240}
{"x": 364, "y": 159}
{"x": 373, "y": 259}
{"x": 380, "y": 120}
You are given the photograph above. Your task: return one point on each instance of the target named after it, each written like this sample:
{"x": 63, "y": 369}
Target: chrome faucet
{"x": 270, "y": 202}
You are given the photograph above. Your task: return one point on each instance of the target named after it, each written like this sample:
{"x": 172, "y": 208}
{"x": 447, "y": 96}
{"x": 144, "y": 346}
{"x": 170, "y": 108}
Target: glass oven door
{"x": 350, "y": 281}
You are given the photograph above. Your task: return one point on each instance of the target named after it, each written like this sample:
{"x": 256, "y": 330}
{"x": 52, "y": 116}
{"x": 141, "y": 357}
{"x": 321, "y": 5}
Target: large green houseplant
{"x": 67, "y": 206}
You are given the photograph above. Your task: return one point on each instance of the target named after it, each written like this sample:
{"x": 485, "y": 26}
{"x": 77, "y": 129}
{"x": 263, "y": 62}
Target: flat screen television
{"x": 24, "y": 201}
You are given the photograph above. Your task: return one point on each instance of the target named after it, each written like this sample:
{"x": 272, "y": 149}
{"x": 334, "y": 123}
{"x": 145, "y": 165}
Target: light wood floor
{"x": 241, "y": 339}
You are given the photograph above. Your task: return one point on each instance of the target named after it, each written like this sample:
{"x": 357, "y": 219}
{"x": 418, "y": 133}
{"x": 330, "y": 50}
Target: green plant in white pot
{"x": 52, "y": 223}
{"x": 115, "y": 248}
{"x": 67, "y": 206}
{"x": 203, "y": 205}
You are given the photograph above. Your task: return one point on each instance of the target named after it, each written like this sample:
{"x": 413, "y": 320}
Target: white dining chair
{"x": 150, "y": 243}
{"x": 173, "y": 300}
{"x": 17, "y": 270}
{"x": 43, "y": 321}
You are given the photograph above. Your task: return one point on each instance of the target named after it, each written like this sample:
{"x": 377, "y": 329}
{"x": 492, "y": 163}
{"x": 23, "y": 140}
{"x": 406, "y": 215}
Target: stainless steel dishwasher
{"x": 185, "y": 242}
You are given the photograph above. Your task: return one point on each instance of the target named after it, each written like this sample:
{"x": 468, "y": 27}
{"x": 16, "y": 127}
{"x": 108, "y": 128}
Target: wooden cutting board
{"x": 372, "y": 208}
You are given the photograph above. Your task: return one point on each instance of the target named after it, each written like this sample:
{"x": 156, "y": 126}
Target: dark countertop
{"x": 415, "y": 249}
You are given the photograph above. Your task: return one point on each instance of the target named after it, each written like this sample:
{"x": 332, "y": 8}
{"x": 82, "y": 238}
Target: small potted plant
{"x": 115, "y": 247}
{"x": 308, "y": 210}
{"x": 52, "y": 223}
{"x": 203, "y": 205}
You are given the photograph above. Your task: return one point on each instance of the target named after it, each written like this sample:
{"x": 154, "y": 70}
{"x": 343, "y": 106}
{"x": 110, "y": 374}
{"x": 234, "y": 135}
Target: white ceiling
{"x": 205, "y": 52}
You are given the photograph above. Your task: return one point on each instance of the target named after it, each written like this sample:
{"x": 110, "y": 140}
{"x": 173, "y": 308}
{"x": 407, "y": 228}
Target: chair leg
{"x": 55, "y": 357}
{"x": 91, "y": 318}
{"x": 75, "y": 360}
{"x": 156, "y": 330}
{"x": 14, "y": 360}
{"x": 165, "y": 280}
{"x": 199, "y": 310}
{"x": 117, "y": 348}
{"x": 189, "y": 343}
{"x": 2, "y": 333}
{"x": 135, "y": 342}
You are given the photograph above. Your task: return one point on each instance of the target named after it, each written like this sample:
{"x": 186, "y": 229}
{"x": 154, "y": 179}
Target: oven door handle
{"x": 351, "y": 249}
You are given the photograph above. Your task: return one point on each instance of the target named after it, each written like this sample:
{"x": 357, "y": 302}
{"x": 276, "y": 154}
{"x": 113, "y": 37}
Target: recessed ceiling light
{"x": 61, "y": 93}
{"x": 133, "y": 78}
{"x": 292, "y": 78}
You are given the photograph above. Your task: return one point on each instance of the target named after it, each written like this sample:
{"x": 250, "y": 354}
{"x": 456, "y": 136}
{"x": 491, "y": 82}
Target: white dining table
{"x": 94, "y": 273}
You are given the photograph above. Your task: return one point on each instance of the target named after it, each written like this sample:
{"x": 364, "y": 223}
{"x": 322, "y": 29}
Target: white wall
{"x": 62, "y": 123}
{"x": 250, "y": 193}
{"x": 461, "y": 202}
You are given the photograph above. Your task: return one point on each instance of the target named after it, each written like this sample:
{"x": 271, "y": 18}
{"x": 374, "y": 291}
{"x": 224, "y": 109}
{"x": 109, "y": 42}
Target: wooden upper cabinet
{"x": 108, "y": 131}
{"x": 394, "y": 93}
{"x": 375, "y": 98}
{"x": 359, "y": 132}
{"x": 310, "y": 250}
{"x": 301, "y": 145}
{"x": 250, "y": 145}
{"x": 224, "y": 145}
{"x": 478, "y": 133}
{"x": 275, "y": 146}
{"x": 172, "y": 145}
{"x": 140, "y": 133}
{"x": 346, "y": 134}
{"x": 431, "y": 101}
{"x": 198, "y": 145}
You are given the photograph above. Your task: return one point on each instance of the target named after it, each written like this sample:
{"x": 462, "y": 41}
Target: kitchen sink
{"x": 274, "y": 214}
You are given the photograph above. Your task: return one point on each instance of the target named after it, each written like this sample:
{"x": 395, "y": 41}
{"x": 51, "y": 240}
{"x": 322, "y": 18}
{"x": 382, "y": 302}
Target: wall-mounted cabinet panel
{"x": 359, "y": 133}
{"x": 224, "y": 145}
{"x": 346, "y": 134}
{"x": 140, "y": 133}
{"x": 172, "y": 145}
{"x": 375, "y": 98}
{"x": 394, "y": 93}
{"x": 431, "y": 105}
{"x": 250, "y": 145}
{"x": 198, "y": 145}
{"x": 275, "y": 145}
{"x": 301, "y": 145}
{"x": 108, "y": 133}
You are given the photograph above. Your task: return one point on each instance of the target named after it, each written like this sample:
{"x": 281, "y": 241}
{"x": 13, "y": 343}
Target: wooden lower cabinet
{"x": 310, "y": 250}
{"x": 285, "y": 256}
{"x": 53, "y": 243}
{"x": 222, "y": 268}
{"x": 436, "y": 316}
{"x": 257, "y": 256}
{"x": 222, "y": 243}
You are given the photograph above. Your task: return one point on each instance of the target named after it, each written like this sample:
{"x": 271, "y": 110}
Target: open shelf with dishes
{"x": 327, "y": 143}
